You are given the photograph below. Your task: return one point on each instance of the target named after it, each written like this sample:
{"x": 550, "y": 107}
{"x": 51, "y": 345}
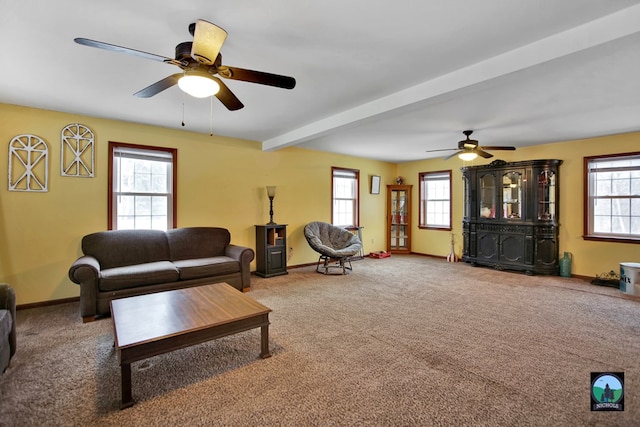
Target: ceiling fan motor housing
{"x": 467, "y": 143}
{"x": 183, "y": 51}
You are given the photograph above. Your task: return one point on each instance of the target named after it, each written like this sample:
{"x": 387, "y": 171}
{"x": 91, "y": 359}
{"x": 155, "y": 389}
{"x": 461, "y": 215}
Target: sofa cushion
{"x": 130, "y": 276}
{"x": 5, "y": 325}
{"x": 5, "y": 329}
{"x": 117, "y": 248}
{"x": 197, "y": 242}
{"x": 203, "y": 267}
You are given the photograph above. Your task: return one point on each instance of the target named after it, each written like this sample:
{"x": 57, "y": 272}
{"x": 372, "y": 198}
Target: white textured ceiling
{"x": 379, "y": 79}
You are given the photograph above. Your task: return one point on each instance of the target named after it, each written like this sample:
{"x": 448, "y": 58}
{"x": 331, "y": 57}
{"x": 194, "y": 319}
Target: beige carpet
{"x": 406, "y": 340}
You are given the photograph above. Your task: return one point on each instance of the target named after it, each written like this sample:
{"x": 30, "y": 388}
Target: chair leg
{"x": 325, "y": 261}
{"x": 344, "y": 263}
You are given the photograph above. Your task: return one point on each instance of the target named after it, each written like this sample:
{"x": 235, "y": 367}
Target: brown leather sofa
{"x": 7, "y": 325}
{"x": 123, "y": 263}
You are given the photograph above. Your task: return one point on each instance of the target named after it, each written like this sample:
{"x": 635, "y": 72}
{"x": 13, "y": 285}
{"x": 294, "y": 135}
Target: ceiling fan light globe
{"x": 198, "y": 85}
{"x": 467, "y": 156}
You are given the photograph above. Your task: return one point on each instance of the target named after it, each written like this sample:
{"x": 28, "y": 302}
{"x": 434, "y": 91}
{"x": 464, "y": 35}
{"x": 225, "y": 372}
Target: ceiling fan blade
{"x": 259, "y": 77}
{"x": 207, "y": 41}
{"x": 500, "y": 147}
{"x": 452, "y": 155}
{"x": 441, "y": 149}
{"x": 227, "y": 97}
{"x": 158, "y": 86}
{"x": 129, "y": 51}
{"x": 483, "y": 153}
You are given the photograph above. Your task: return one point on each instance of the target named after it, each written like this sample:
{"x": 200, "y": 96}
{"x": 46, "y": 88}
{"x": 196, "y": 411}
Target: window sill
{"x": 425, "y": 227}
{"x": 612, "y": 239}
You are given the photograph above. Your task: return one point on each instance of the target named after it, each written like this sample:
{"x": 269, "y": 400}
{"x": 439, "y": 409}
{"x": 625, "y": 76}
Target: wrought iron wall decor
{"x": 28, "y": 164}
{"x": 77, "y": 151}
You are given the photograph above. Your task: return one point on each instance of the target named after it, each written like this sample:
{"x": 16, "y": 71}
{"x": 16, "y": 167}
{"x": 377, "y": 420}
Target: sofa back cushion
{"x": 197, "y": 242}
{"x": 118, "y": 248}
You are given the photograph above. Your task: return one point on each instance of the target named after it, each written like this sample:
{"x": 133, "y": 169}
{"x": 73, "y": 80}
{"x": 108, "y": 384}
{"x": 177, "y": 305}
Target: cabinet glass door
{"x": 487, "y": 203}
{"x": 512, "y": 195}
{"x": 546, "y": 195}
{"x": 399, "y": 220}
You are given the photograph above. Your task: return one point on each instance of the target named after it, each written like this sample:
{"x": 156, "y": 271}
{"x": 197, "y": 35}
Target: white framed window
{"x": 435, "y": 199}
{"x": 344, "y": 197}
{"x": 612, "y": 197}
{"x": 142, "y": 187}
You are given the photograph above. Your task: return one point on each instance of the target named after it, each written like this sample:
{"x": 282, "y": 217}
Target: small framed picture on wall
{"x": 375, "y": 184}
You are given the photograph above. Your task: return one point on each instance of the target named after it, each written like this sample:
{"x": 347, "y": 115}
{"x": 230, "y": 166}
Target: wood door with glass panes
{"x": 399, "y": 218}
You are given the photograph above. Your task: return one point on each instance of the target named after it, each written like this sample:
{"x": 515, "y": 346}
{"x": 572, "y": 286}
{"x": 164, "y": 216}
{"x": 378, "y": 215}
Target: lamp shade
{"x": 198, "y": 84}
{"x": 271, "y": 190}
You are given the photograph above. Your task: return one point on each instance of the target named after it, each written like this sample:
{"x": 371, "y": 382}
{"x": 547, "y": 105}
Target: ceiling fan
{"x": 200, "y": 61}
{"x": 469, "y": 149}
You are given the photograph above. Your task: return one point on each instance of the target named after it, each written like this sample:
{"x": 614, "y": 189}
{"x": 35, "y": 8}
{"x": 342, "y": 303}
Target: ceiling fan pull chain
{"x": 211, "y": 122}
{"x": 182, "y": 109}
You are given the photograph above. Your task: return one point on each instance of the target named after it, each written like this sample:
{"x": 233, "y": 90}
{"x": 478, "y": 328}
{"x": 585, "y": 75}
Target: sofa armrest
{"x": 244, "y": 255}
{"x": 86, "y": 268}
{"x": 85, "y": 271}
{"x": 8, "y": 302}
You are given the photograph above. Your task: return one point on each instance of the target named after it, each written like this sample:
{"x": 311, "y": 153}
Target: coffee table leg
{"x": 264, "y": 333}
{"x": 127, "y": 398}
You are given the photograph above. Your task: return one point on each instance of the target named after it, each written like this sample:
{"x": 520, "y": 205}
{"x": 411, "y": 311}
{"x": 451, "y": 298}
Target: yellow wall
{"x": 221, "y": 182}
{"x": 589, "y": 257}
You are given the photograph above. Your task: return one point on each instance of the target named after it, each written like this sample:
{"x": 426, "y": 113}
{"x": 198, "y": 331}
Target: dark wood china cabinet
{"x": 510, "y": 218}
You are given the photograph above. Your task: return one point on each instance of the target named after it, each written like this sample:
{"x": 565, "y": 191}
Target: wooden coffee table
{"x": 152, "y": 324}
